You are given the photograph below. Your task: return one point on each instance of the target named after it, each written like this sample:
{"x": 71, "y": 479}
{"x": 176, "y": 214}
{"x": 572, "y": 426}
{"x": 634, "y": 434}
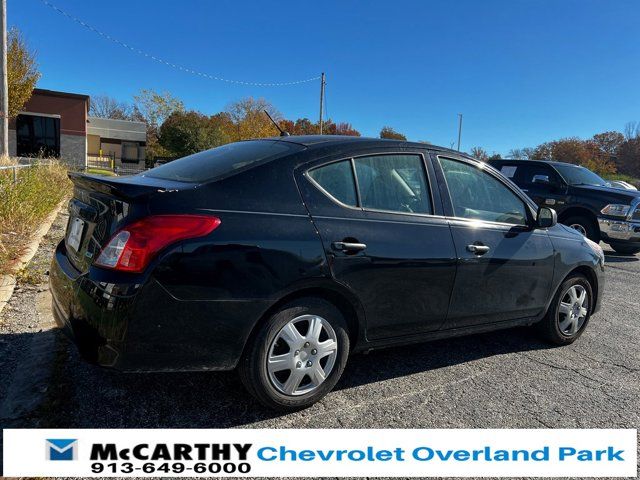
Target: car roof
{"x": 311, "y": 141}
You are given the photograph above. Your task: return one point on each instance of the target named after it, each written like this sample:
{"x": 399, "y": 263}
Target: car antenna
{"x": 283, "y": 133}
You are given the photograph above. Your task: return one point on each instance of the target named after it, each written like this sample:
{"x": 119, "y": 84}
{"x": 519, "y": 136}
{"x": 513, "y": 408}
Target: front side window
{"x": 477, "y": 195}
{"x": 395, "y": 183}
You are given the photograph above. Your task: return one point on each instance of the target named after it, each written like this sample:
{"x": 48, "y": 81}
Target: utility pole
{"x": 4, "y": 88}
{"x": 459, "y": 130}
{"x": 322, "y": 84}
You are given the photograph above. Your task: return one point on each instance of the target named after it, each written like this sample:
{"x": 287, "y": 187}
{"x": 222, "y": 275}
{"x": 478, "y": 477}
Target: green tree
{"x": 388, "y": 132}
{"x": 22, "y": 71}
{"x": 184, "y": 133}
{"x": 154, "y": 108}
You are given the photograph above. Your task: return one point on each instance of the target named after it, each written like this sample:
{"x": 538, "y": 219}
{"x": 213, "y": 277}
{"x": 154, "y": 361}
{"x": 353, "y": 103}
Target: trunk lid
{"x": 102, "y": 205}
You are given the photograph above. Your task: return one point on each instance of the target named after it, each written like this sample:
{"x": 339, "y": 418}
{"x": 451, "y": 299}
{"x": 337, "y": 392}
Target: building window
{"x": 37, "y": 136}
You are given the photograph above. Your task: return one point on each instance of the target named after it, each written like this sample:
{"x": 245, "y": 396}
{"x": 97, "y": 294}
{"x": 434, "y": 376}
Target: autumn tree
{"x": 342, "y": 128}
{"x": 576, "y": 151}
{"x": 608, "y": 142}
{"x": 480, "y": 154}
{"x": 388, "y": 132}
{"x": 249, "y": 119}
{"x": 104, "y": 106}
{"x": 22, "y": 72}
{"x": 154, "y": 108}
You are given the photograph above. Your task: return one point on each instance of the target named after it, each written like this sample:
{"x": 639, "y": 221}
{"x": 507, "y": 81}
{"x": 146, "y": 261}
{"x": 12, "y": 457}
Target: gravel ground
{"x": 496, "y": 380}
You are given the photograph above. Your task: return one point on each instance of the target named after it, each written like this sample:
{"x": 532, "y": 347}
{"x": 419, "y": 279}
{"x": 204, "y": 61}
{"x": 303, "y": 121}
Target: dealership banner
{"x": 320, "y": 453}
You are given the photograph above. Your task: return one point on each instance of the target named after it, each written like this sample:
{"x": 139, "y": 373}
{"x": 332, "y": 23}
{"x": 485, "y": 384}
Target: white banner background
{"x": 25, "y": 451}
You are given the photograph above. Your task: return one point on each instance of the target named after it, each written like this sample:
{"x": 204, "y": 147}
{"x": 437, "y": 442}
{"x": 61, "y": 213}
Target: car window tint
{"x": 477, "y": 195}
{"x": 536, "y": 174}
{"x": 337, "y": 180}
{"x": 395, "y": 183}
{"x": 222, "y": 161}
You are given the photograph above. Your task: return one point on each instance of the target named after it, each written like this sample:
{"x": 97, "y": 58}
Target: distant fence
{"x": 13, "y": 169}
{"x": 102, "y": 162}
{"x": 108, "y": 164}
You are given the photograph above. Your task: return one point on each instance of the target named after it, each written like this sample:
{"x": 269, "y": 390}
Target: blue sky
{"x": 521, "y": 72}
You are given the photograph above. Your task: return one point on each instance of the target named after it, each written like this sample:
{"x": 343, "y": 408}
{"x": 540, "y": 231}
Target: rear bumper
{"x": 619, "y": 231}
{"x": 135, "y": 324}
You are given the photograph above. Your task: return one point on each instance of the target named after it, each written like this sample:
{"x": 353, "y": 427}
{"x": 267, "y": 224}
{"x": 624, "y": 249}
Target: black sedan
{"x": 280, "y": 257}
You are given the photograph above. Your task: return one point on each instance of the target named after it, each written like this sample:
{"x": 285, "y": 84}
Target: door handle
{"x": 348, "y": 246}
{"x": 478, "y": 249}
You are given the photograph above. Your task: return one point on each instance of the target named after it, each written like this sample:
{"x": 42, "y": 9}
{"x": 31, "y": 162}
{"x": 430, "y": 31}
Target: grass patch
{"x": 100, "y": 171}
{"x": 25, "y": 205}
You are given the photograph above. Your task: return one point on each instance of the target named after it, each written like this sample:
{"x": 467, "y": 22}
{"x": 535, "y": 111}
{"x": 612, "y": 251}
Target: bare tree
{"x": 104, "y": 106}
{"x": 632, "y": 130}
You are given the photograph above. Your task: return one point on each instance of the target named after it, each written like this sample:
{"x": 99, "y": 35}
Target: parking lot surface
{"x": 502, "y": 379}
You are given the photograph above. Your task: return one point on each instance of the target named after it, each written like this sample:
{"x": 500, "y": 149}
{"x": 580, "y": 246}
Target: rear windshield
{"x": 222, "y": 161}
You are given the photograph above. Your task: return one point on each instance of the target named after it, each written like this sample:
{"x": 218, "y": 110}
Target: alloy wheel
{"x": 302, "y": 355}
{"x": 573, "y": 309}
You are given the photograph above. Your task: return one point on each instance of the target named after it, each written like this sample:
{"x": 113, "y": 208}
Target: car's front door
{"x": 384, "y": 239}
{"x": 505, "y": 266}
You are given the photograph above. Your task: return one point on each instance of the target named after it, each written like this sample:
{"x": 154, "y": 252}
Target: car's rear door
{"x": 385, "y": 238}
{"x": 505, "y": 266}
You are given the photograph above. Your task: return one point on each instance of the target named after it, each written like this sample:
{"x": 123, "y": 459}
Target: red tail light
{"x": 132, "y": 248}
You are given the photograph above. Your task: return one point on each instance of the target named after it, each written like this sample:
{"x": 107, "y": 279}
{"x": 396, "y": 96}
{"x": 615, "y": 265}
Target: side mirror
{"x": 546, "y": 218}
{"x": 543, "y": 179}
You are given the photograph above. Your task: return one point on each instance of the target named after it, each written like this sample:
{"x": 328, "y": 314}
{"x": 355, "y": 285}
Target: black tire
{"x": 549, "y": 326}
{"x": 253, "y": 365}
{"x": 589, "y": 226}
{"x": 624, "y": 249}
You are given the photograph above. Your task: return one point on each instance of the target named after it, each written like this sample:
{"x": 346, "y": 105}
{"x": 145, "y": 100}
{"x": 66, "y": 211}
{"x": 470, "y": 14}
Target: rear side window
{"x": 530, "y": 174}
{"x": 337, "y": 180}
{"x": 394, "y": 183}
{"x": 223, "y": 161}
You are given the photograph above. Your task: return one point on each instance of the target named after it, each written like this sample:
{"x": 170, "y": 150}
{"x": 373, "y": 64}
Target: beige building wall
{"x": 93, "y": 144}
{"x": 112, "y": 149}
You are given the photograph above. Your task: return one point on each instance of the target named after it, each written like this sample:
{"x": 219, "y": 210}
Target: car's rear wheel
{"x": 569, "y": 312}
{"x": 297, "y": 356}
{"x": 585, "y": 226}
{"x": 624, "y": 249}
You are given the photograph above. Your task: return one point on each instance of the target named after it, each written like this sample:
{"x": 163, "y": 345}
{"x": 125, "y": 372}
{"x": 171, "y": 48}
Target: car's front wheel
{"x": 297, "y": 356}
{"x": 569, "y": 312}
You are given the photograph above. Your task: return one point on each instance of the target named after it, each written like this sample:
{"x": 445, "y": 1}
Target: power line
{"x": 165, "y": 62}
